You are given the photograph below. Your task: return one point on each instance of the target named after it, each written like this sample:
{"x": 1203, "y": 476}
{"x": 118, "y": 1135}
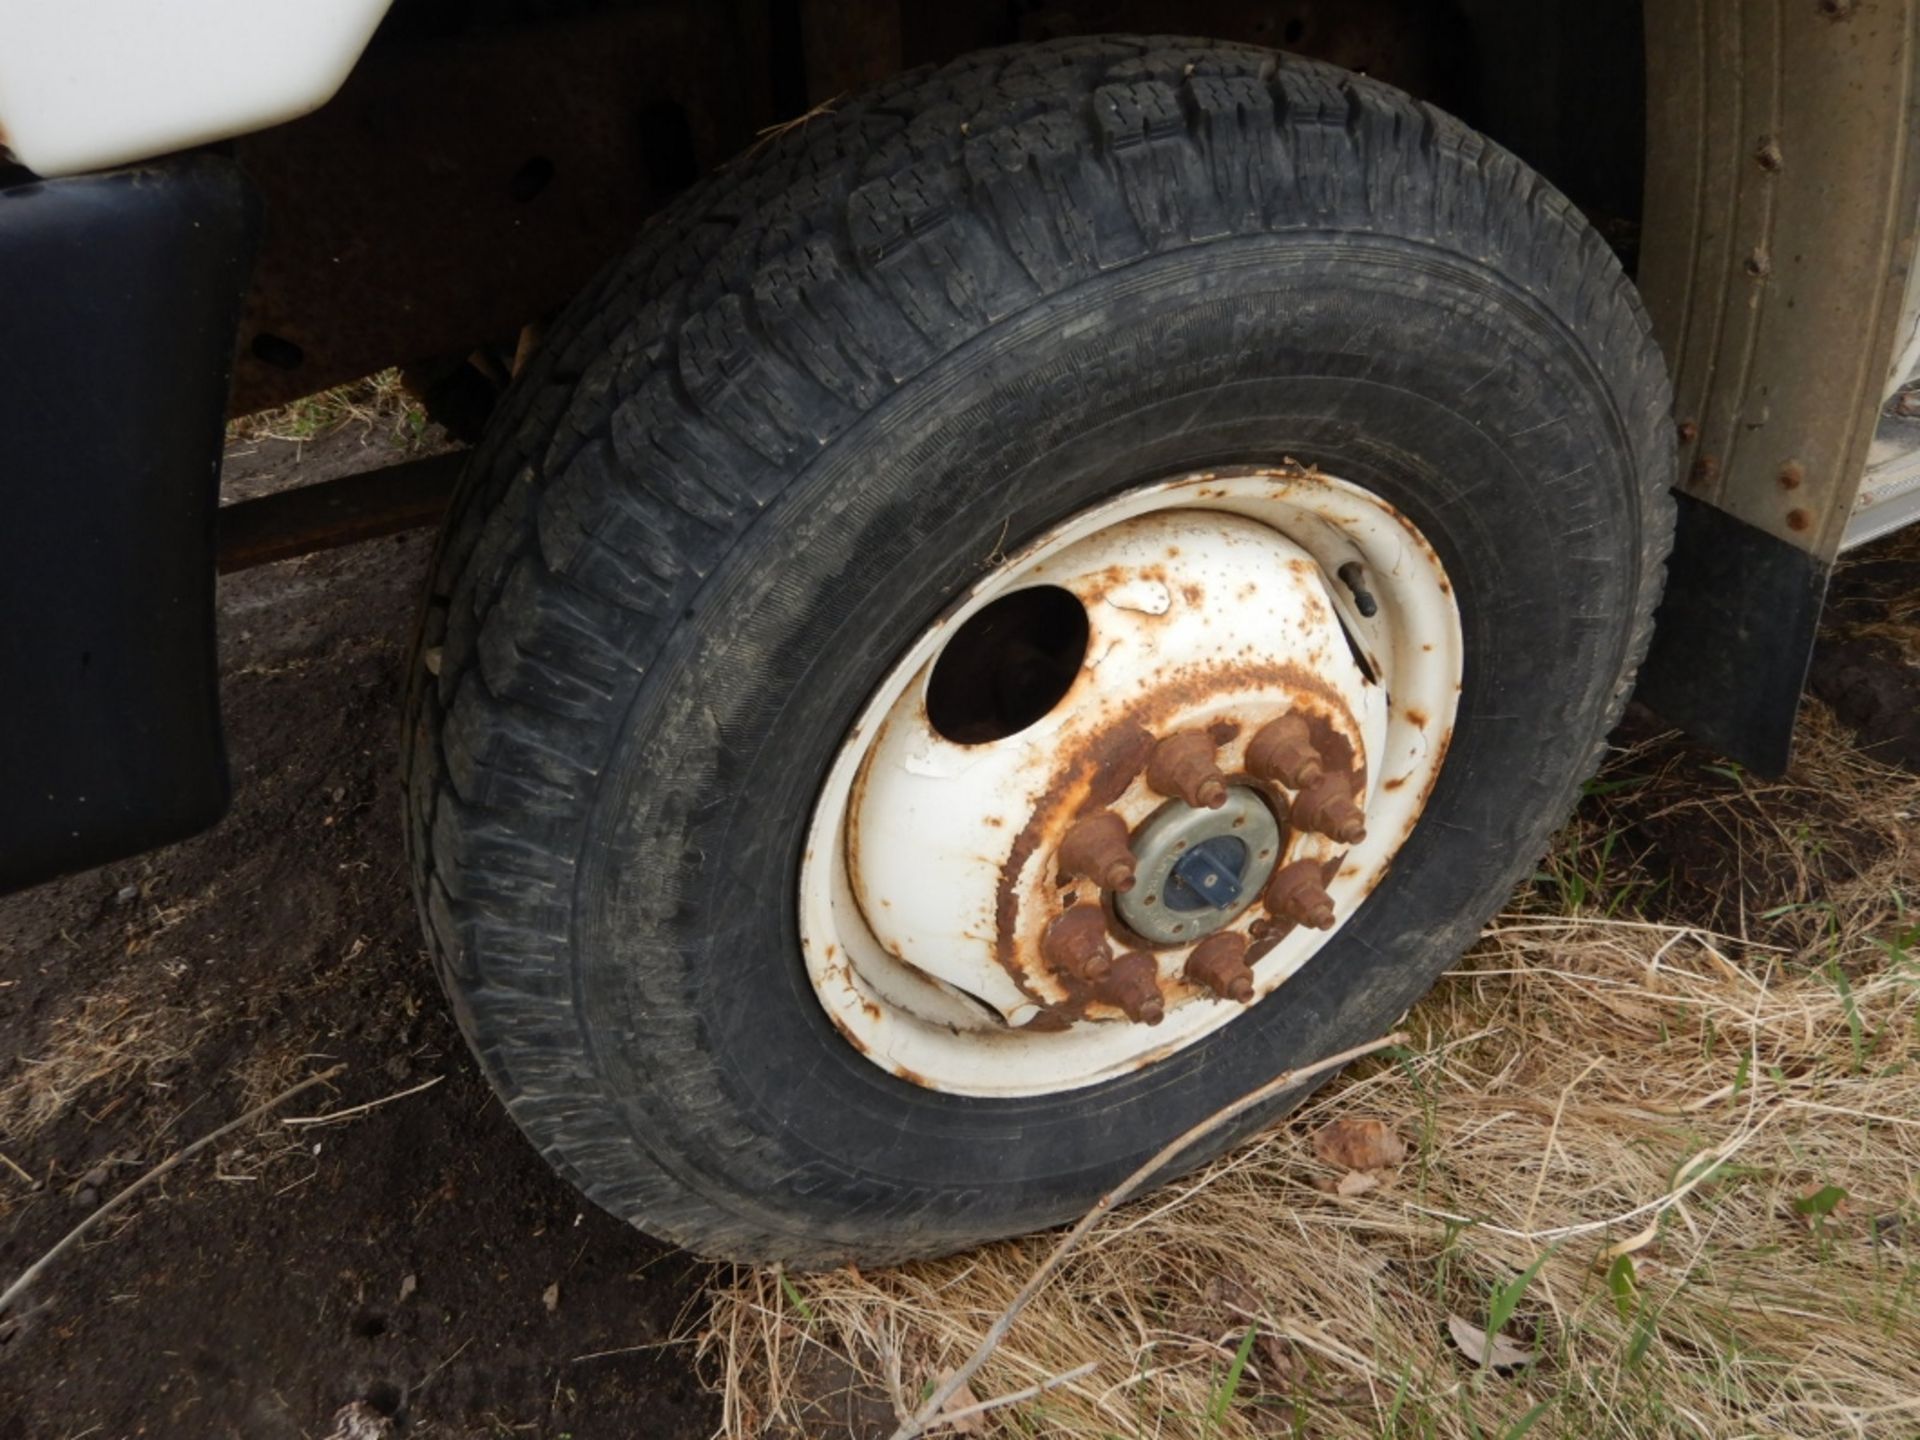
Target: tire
{"x": 765, "y": 451}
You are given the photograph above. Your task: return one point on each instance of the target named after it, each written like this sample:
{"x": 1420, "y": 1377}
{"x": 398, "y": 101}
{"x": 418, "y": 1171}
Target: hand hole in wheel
{"x": 1008, "y": 665}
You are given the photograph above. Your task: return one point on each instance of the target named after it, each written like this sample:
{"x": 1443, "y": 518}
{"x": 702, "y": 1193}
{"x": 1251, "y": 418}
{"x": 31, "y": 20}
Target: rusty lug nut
{"x": 1182, "y": 766}
{"x": 1219, "y": 962}
{"x": 1295, "y": 893}
{"x": 1283, "y": 751}
{"x": 1096, "y": 847}
{"x": 1077, "y": 943}
{"x": 1134, "y": 985}
{"x": 1327, "y": 807}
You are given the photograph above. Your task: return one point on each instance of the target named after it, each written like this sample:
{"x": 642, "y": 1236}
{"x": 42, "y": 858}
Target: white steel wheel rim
{"x": 1211, "y": 603}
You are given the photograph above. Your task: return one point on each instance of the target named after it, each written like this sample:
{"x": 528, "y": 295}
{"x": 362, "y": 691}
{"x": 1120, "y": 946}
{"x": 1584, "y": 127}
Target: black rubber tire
{"x": 763, "y": 452}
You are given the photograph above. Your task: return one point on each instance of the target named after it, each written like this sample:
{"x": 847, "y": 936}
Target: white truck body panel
{"x": 87, "y": 84}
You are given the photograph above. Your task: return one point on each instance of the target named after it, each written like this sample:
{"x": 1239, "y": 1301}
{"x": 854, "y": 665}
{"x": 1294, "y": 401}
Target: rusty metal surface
{"x": 1419, "y": 45}
{"x": 848, "y": 45}
{"x": 1220, "y": 964}
{"x": 332, "y": 513}
{"x": 1184, "y": 767}
{"x": 1095, "y": 849}
{"x": 457, "y": 189}
{"x": 1783, "y": 190}
{"x": 1203, "y": 633}
{"x": 1193, "y": 768}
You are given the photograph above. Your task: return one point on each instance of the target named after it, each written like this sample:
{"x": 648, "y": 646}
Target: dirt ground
{"x": 405, "y": 1258}
{"x": 418, "y": 1258}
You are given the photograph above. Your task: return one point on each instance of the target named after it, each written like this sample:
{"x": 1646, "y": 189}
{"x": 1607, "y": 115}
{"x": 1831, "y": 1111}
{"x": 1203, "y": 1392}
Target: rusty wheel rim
{"x": 1256, "y": 652}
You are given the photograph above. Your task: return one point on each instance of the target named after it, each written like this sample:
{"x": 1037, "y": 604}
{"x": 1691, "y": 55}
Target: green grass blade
{"x": 1229, "y": 1387}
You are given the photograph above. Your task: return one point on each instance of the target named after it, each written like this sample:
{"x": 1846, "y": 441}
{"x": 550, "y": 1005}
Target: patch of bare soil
{"x": 1682, "y": 836}
{"x": 1868, "y": 664}
{"x": 419, "y": 1258}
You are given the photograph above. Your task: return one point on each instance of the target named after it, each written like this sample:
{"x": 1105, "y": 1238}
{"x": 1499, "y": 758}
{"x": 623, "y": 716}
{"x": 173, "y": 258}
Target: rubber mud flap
{"x": 118, "y": 311}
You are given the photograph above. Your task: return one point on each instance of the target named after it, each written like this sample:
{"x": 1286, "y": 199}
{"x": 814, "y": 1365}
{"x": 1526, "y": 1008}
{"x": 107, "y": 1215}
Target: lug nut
{"x": 1220, "y": 963}
{"x": 1326, "y": 807}
{"x": 1182, "y": 767}
{"x": 1134, "y": 985}
{"x": 1076, "y": 942}
{"x": 1295, "y": 893}
{"x": 1283, "y": 751}
{"x": 1096, "y": 847}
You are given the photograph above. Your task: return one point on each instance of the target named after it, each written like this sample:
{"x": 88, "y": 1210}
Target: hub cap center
{"x": 1207, "y": 877}
{"x": 1199, "y": 869}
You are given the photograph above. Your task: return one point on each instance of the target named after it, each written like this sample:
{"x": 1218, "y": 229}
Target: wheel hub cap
{"x": 1199, "y": 869}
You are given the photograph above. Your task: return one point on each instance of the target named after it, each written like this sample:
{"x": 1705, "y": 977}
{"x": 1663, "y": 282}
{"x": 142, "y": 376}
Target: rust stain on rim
{"x": 1104, "y": 766}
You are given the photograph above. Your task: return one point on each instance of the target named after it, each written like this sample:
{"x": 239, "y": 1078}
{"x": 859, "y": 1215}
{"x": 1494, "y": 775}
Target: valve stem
{"x": 1353, "y": 575}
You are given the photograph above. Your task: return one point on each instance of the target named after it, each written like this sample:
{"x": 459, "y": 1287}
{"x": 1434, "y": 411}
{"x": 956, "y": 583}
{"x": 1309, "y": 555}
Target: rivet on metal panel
{"x": 1768, "y": 155}
{"x": 1799, "y": 520}
{"x": 1792, "y": 475}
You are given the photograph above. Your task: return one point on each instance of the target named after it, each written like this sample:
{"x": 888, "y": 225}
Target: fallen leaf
{"x": 1820, "y": 1203}
{"x": 1230, "y": 1292}
{"x": 1358, "y": 1145}
{"x": 1629, "y": 1245}
{"x": 1472, "y": 1339}
{"x": 1281, "y": 1366}
{"x": 408, "y": 1284}
{"x": 962, "y": 1398}
{"x": 1357, "y": 1182}
{"x": 550, "y": 1297}
{"x": 1353, "y": 1182}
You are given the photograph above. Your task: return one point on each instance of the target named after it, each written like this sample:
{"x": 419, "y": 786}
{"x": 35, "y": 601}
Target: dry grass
{"x": 99, "y": 1051}
{"x": 1898, "y": 603}
{"x": 1706, "y": 1140}
{"x": 378, "y": 404}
